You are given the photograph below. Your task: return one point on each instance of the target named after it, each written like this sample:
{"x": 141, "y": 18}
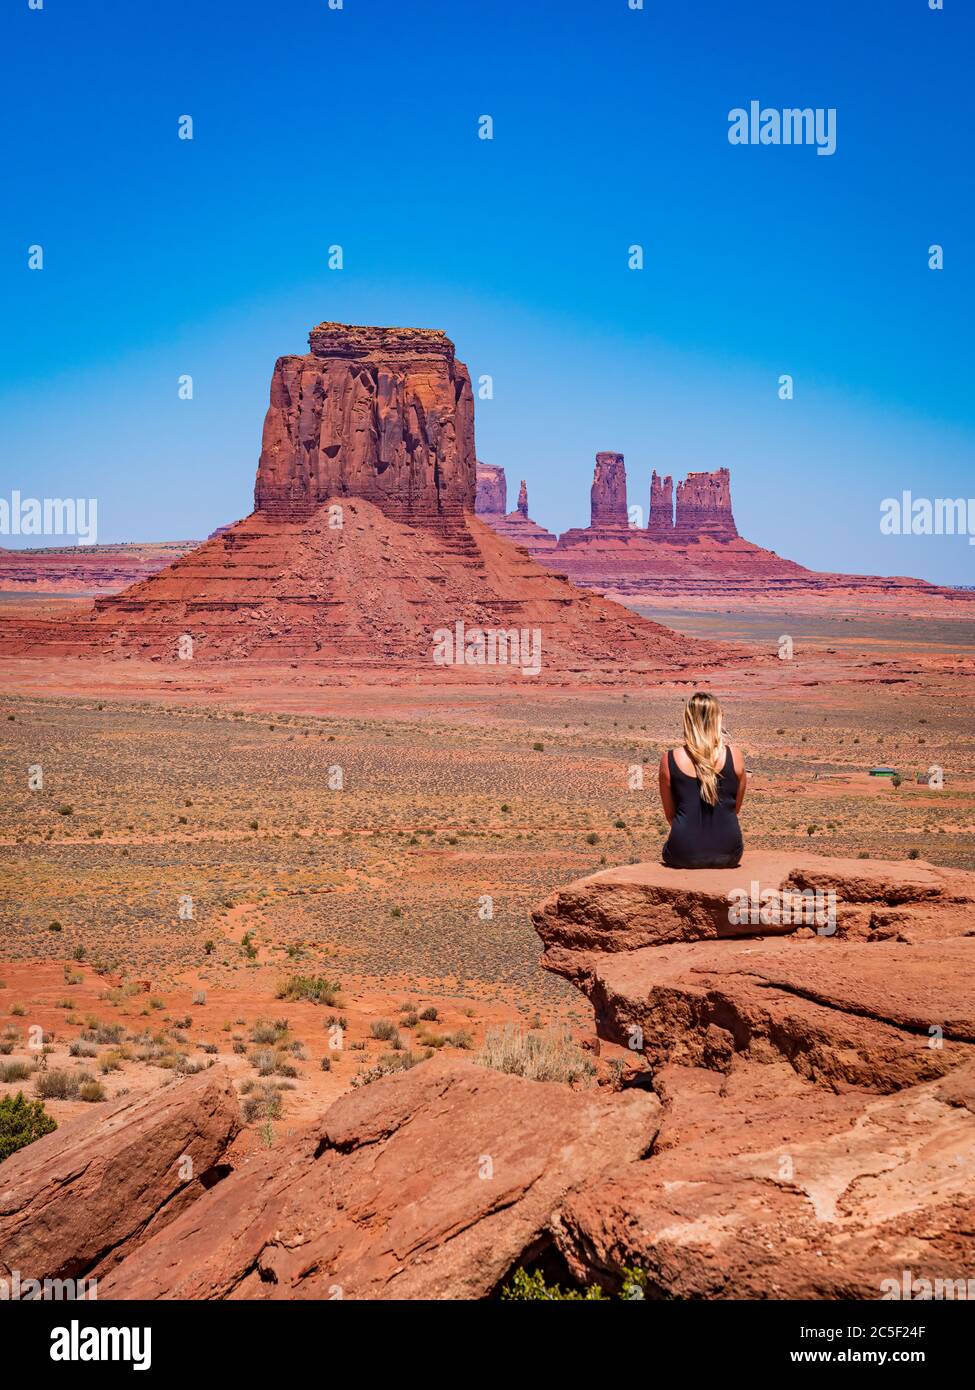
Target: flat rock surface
{"x": 635, "y": 905}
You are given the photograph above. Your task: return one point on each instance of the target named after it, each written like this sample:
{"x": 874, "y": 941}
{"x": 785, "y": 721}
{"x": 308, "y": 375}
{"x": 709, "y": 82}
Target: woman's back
{"x": 703, "y": 836}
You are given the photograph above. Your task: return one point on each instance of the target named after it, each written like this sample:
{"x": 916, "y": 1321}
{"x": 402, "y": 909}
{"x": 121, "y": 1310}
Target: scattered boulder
{"x": 77, "y": 1201}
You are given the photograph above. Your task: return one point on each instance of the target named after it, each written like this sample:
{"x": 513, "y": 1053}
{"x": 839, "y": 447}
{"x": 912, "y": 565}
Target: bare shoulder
{"x": 665, "y": 765}
{"x": 737, "y": 757}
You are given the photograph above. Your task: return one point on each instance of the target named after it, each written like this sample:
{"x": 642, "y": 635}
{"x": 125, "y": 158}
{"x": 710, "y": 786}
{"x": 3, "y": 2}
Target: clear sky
{"x": 359, "y": 127}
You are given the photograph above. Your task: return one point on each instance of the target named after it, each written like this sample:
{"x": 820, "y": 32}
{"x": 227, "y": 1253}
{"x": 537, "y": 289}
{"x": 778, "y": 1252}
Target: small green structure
{"x": 883, "y": 772}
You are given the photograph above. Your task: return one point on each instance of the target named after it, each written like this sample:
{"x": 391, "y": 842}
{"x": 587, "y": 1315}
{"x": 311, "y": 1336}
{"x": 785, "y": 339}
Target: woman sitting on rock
{"x": 702, "y": 786}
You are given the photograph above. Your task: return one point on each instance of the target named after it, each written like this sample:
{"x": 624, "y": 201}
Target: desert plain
{"x": 203, "y": 837}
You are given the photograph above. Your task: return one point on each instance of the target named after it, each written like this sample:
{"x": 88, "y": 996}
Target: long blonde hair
{"x": 704, "y": 743}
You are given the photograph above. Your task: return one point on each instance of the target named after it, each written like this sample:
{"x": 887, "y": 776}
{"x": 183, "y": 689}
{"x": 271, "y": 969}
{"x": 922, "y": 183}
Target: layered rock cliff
{"x": 85, "y": 569}
{"x": 385, "y": 414}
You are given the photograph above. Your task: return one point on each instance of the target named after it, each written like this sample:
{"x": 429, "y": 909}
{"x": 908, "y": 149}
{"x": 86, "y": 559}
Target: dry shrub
{"x": 545, "y": 1056}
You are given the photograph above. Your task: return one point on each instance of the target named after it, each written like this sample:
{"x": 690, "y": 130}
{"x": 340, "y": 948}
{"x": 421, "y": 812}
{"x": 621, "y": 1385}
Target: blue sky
{"x": 359, "y": 127}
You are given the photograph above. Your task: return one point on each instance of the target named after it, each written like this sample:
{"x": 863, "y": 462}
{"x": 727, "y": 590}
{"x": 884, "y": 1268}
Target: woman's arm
{"x": 666, "y": 795}
{"x": 738, "y": 761}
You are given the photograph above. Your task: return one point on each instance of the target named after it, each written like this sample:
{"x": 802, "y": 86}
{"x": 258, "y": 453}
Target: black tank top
{"x": 703, "y": 836}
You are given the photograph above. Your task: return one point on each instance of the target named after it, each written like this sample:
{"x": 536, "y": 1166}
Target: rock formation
{"x": 660, "y": 521}
{"x": 607, "y": 496}
{"x": 491, "y": 498}
{"x": 816, "y": 1047}
{"x": 77, "y": 1201}
{"x": 692, "y": 551}
{"x": 758, "y": 1189}
{"x": 609, "y": 529}
{"x": 429, "y": 1185}
{"x": 516, "y": 526}
{"x": 385, "y": 414}
{"x": 704, "y": 507}
{"x": 363, "y": 546}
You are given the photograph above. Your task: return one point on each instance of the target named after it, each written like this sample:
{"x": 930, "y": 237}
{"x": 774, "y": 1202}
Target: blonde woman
{"x": 702, "y": 786}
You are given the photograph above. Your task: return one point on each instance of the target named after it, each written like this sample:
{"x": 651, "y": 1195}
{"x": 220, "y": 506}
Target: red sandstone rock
{"x": 608, "y": 492}
{"x": 704, "y": 506}
{"x": 609, "y": 528}
{"x": 779, "y": 1171}
{"x": 492, "y": 493}
{"x": 650, "y": 904}
{"x": 698, "y": 555}
{"x": 365, "y": 576}
{"x": 660, "y": 521}
{"x": 757, "y": 1190}
{"x": 644, "y": 942}
{"x": 369, "y": 595}
{"x": 518, "y": 526}
{"x": 431, "y": 1184}
{"x": 384, "y": 414}
{"x": 80, "y": 1199}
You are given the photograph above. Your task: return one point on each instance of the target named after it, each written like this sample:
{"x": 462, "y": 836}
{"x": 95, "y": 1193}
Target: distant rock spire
{"x": 608, "y": 493}
{"x": 661, "y": 519}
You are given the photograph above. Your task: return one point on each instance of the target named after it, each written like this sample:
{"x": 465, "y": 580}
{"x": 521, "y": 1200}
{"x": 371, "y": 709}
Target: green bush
{"x": 525, "y": 1286}
{"x": 21, "y": 1122}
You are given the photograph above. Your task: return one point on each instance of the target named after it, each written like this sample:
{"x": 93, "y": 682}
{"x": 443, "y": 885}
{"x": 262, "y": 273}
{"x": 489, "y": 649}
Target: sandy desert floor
{"x": 408, "y": 886}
